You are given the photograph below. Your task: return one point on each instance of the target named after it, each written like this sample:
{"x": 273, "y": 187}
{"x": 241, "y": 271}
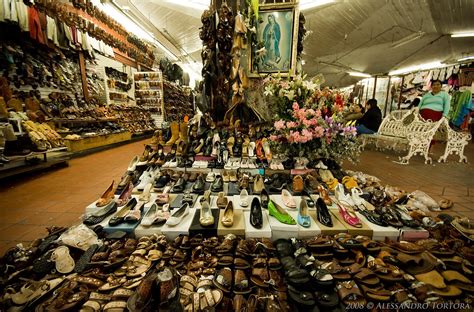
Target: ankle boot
{"x": 174, "y": 133}
{"x": 183, "y": 132}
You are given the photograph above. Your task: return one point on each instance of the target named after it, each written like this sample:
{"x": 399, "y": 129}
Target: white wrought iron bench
{"x": 407, "y": 130}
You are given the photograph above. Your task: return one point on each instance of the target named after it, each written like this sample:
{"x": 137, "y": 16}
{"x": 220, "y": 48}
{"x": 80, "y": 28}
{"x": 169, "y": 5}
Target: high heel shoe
{"x": 323, "y": 193}
{"x": 349, "y": 215}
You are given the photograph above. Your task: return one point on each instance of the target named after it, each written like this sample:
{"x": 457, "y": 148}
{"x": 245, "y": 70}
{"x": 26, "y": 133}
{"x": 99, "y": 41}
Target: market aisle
{"x": 59, "y": 197}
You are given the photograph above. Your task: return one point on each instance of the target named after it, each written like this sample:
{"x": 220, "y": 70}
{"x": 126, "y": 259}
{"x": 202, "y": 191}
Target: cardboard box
{"x": 409, "y": 234}
{"x": 251, "y": 232}
{"x": 171, "y": 232}
{"x": 380, "y": 232}
{"x": 206, "y": 231}
{"x": 308, "y": 232}
{"x": 236, "y": 201}
{"x": 337, "y": 227}
{"x": 238, "y": 228}
{"x": 281, "y": 230}
{"x": 364, "y": 230}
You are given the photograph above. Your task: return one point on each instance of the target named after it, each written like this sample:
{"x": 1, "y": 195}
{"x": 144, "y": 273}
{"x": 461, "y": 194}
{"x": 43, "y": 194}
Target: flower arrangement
{"x": 308, "y": 120}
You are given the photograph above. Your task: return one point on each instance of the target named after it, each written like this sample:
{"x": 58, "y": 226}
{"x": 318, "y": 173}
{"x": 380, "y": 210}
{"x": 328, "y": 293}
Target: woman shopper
{"x": 370, "y": 122}
{"x": 435, "y": 104}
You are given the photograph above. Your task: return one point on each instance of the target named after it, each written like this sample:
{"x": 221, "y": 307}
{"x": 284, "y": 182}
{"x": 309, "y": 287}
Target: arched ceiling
{"x": 350, "y": 35}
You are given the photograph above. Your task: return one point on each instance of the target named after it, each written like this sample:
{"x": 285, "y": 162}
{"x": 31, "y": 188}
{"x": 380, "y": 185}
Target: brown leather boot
{"x": 174, "y": 133}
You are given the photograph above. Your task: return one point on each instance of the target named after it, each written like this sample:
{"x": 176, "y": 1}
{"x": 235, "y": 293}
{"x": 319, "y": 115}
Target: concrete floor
{"x": 59, "y": 196}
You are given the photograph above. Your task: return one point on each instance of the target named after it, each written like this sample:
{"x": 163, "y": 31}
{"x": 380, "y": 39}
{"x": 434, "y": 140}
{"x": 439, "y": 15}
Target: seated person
{"x": 355, "y": 112}
{"x": 370, "y": 122}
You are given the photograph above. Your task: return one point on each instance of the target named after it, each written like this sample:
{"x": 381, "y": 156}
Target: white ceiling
{"x": 351, "y": 35}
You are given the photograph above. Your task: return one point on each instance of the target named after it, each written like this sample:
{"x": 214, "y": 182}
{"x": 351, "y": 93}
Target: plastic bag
{"x": 80, "y": 236}
{"x": 423, "y": 201}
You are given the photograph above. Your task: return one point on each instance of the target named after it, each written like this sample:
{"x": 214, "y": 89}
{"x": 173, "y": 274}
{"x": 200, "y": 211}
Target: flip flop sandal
{"x": 62, "y": 258}
{"x": 406, "y": 247}
{"x": 449, "y": 291}
{"x": 454, "y": 276}
{"x": 112, "y": 284}
{"x": 154, "y": 255}
{"x": 33, "y": 290}
{"x": 274, "y": 264}
{"x": 84, "y": 260}
{"x": 350, "y": 294}
{"x": 377, "y": 294}
{"x": 417, "y": 264}
{"x": 326, "y": 299}
{"x": 91, "y": 306}
{"x": 115, "y": 306}
{"x": 89, "y": 281}
{"x": 401, "y": 294}
{"x": 432, "y": 278}
{"x": 322, "y": 277}
{"x": 121, "y": 293}
{"x": 367, "y": 277}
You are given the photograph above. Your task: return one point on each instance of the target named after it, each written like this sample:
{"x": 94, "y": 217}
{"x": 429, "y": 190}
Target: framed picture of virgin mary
{"x": 277, "y": 36}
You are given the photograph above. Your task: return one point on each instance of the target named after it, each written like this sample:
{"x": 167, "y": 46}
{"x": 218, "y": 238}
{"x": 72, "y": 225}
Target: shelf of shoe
{"x": 21, "y": 164}
{"x": 81, "y": 120}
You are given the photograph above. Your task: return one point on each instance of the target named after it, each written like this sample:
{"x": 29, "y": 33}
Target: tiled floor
{"x": 59, "y": 196}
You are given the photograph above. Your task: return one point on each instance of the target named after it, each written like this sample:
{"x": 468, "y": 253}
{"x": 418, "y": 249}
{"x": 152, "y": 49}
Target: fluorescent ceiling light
{"x": 414, "y": 68}
{"x": 408, "y": 39}
{"x": 135, "y": 29}
{"x": 467, "y": 58}
{"x": 463, "y": 34}
{"x": 357, "y": 74}
{"x": 194, "y": 4}
{"x": 309, "y": 4}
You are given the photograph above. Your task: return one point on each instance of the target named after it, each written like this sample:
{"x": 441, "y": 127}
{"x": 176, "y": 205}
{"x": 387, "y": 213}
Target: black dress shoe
{"x": 198, "y": 186}
{"x": 162, "y": 181}
{"x": 179, "y": 186}
{"x": 264, "y": 198}
{"x": 256, "y": 217}
{"x": 99, "y": 217}
{"x": 218, "y": 184}
{"x": 323, "y": 215}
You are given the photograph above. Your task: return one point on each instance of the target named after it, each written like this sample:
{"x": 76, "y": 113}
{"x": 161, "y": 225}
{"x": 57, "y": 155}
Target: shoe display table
{"x": 34, "y": 161}
{"x": 251, "y": 232}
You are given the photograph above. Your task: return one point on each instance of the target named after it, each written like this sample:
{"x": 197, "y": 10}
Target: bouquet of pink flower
{"x": 307, "y": 121}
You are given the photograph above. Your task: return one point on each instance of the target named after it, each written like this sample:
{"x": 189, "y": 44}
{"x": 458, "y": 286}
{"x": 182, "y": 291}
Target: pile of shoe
{"x": 42, "y": 135}
{"x": 40, "y": 68}
{"x": 133, "y": 118}
{"x": 178, "y": 101}
{"x": 322, "y": 273}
